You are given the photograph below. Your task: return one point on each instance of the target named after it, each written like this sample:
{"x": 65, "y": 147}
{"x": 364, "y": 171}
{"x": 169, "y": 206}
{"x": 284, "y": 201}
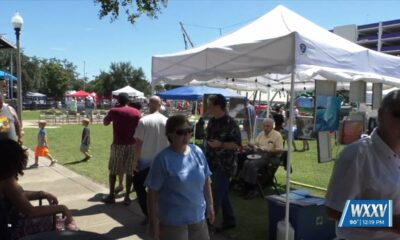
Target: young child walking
{"x": 85, "y": 141}
{"x": 42, "y": 148}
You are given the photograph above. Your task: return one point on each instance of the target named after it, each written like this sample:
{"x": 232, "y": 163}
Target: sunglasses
{"x": 184, "y": 131}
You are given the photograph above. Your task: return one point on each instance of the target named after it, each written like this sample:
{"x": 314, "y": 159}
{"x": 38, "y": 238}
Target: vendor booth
{"x": 130, "y": 91}
{"x": 34, "y": 100}
{"x": 7, "y": 76}
{"x": 280, "y": 42}
{"x": 194, "y": 93}
{"x": 79, "y": 94}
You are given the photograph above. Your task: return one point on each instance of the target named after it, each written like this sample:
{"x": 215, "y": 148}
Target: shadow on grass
{"x": 252, "y": 215}
{"x": 75, "y": 162}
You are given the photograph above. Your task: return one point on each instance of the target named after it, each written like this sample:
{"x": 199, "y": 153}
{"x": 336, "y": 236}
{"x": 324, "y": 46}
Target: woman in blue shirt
{"x": 180, "y": 187}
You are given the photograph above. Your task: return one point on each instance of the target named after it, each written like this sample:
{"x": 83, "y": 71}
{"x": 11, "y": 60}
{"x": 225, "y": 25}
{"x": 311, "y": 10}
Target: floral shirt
{"x": 223, "y": 129}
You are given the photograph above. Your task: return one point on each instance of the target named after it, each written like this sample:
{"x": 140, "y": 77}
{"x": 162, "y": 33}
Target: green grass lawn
{"x": 252, "y": 215}
{"x": 30, "y": 114}
{"x": 64, "y": 143}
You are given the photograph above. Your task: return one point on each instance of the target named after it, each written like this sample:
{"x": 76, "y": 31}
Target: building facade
{"x": 381, "y": 36}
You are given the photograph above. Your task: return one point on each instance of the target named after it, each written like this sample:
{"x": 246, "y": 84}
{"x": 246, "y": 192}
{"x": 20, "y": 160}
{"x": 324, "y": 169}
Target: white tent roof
{"x": 35, "y": 94}
{"x": 130, "y": 91}
{"x": 276, "y": 43}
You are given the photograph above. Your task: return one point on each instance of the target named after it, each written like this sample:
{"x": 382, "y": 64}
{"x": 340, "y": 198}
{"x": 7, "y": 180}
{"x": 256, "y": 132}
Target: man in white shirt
{"x": 150, "y": 140}
{"x": 369, "y": 169}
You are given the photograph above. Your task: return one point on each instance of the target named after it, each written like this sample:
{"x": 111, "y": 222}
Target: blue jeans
{"x": 220, "y": 181}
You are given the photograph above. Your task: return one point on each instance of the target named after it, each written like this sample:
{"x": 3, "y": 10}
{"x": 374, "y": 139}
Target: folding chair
{"x": 266, "y": 175}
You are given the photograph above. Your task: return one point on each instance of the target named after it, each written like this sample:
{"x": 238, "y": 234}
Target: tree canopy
{"x": 119, "y": 75}
{"x": 133, "y": 9}
{"x": 54, "y": 77}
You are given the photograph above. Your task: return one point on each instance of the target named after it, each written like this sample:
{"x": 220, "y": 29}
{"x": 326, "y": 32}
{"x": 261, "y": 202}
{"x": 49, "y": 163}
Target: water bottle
{"x": 280, "y": 231}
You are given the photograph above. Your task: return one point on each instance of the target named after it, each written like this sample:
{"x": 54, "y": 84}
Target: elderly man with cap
{"x": 10, "y": 127}
{"x": 369, "y": 169}
{"x": 125, "y": 120}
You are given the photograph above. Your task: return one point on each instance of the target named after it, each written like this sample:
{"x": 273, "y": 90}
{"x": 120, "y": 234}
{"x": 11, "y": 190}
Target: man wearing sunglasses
{"x": 370, "y": 169}
{"x": 223, "y": 139}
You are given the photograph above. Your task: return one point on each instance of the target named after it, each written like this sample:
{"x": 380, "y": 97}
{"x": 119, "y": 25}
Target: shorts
{"x": 198, "y": 231}
{"x": 286, "y": 133}
{"x": 121, "y": 159}
{"x": 41, "y": 151}
{"x": 84, "y": 148}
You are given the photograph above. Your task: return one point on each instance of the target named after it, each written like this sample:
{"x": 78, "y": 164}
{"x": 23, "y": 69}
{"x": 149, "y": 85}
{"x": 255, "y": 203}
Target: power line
{"x": 220, "y": 28}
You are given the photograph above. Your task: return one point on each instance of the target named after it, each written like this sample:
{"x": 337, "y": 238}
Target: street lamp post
{"x": 17, "y": 22}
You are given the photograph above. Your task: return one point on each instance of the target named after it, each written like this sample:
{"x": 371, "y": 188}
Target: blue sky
{"x": 71, "y": 29}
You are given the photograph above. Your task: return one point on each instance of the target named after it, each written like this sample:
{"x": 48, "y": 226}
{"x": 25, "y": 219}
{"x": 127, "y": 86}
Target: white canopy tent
{"x": 130, "y": 91}
{"x": 35, "y": 94}
{"x": 281, "y": 42}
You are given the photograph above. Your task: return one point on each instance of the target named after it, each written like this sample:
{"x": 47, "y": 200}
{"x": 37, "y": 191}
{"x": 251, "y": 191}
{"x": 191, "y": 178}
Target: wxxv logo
{"x": 367, "y": 213}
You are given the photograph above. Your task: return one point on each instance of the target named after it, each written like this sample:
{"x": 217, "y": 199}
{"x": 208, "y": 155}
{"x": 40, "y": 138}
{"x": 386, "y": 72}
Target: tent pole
{"x": 268, "y": 101}
{"x": 195, "y": 121}
{"x": 251, "y": 124}
{"x": 273, "y": 97}
{"x": 289, "y": 155}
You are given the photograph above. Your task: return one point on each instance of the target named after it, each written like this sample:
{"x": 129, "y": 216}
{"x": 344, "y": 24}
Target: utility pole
{"x": 186, "y": 37}
{"x": 84, "y": 75}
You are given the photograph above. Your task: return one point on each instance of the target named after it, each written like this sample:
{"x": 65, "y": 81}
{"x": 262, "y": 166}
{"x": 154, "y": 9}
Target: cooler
{"x": 307, "y": 217}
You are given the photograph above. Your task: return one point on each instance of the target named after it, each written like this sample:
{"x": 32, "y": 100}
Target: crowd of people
{"x": 180, "y": 187}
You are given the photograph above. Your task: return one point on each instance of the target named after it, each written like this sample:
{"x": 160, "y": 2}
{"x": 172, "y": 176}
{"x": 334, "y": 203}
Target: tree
{"x": 57, "y": 79}
{"x": 120, "y": 75}
{"x": 133, "y": 9}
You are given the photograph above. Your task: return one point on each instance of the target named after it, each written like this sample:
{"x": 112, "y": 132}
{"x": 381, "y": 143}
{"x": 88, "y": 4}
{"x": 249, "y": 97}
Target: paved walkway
{"x": 82, "y": 196}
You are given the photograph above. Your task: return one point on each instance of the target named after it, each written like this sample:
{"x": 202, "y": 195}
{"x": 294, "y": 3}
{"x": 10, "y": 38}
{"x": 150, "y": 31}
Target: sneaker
{"x": 53, "y": 162}
{"x": 35, "y": 165}
{"x": 127, "y": 201}
{"x": 118, "y": 190}
{"x": 108, "y": 199}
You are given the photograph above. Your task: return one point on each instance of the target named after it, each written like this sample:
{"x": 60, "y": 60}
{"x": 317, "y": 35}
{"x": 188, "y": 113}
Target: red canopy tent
{"x": 79, "y": 93}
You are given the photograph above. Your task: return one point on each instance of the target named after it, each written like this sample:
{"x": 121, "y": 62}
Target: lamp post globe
{"x": 17, "y": 22}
